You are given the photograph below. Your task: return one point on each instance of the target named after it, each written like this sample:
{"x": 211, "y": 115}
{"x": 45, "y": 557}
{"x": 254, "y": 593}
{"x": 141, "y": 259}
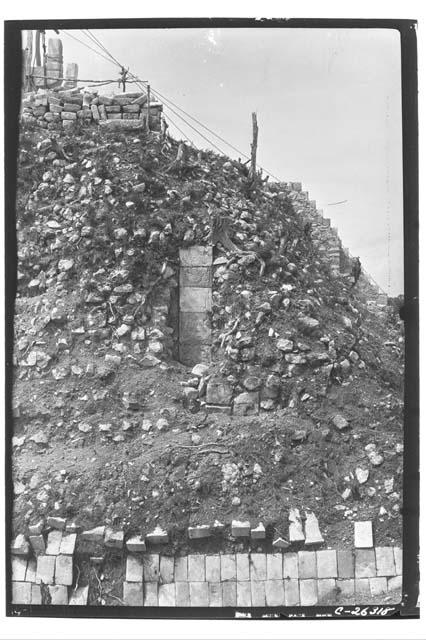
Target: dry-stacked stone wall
{"x": 63, "y": 109}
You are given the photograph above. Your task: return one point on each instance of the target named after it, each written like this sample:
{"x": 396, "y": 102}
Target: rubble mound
{"x": 110, "y": 428}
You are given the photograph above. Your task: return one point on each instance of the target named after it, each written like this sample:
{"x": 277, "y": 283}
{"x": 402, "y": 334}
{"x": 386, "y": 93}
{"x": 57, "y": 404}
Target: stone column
{"x": 195, "y": 301}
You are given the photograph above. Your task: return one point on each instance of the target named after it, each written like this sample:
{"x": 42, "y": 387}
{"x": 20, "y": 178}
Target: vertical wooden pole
{"x": 28, "y": 60}
{"x": 37, "y": 49}
{"x": 148, "y": 107}
{"x": 252, "y": 172}
{"x": 44, "y": 59}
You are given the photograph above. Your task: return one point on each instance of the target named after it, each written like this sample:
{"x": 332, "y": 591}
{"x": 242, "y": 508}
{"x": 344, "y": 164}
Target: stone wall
{"x": 63, "y": 108}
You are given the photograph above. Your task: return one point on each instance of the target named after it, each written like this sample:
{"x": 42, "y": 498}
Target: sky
{"x": 328, "y": 105}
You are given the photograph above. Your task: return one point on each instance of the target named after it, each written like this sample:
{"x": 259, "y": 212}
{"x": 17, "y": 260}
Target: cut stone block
{"x": 362, "y": 591}
{"x": 134, "y": 569}
{"x": 213, "y": 568}
{"x": 229, "y": 594}
{"x": 394, "y": 583}
{"x": 363, "y": 534}
{"x": 346, "y": 591}
{"x": 201, "y": 531}
{"x": 345, "y": 563}
{"x": 58, "y": 594}
{"x": 218, "y": 393}
{"x": 308, "y": 593}
{"x": 397, "y": 552}
{"x": 295, "y": 531}
{"x": 45, "y": 569}
{"x": 167, "y": 595}
{"x": 181, "y": 569}
{"x": 56, "y": 523}
{"x": 21, "y": 593}
{"x": 327, "y": 563}
{"x": 20, "y": 546}
{"x": 114, "y": 539}
{"x": 36, "y": 594}
{"x": 79, "y": 596}
{"x": 195, "y": 299}
{"x": 68, "y": 544}
{"x": 158, "y": 536}
{"x": 326, "y": 590}
{"x": 136, "y": 544}
{"x": 258, "y": 533}
{"x": 31, "y": 574}
{"x": 291, "y": 593}
{"x": 258, "y": 566}
{"x": 93, "y": 535}
{"x": 385, "y": 561}
{"x": 258, "y": 596}
{"x": 37, "y": 544}
{"x": 196, "y": 256}
{"x": 151, "y": 594}
{"x": 215, "y": 594}
{"x": 54, "y": 539}
{"x": 196, "y": 568}
{"x": 243, "y": 567}
{"x": 378, "y": 586}
{"x": 246, "y": 403}
{"x": 195, "y": 327}
{"x": 133, "y": 594}
{"x": 274, "y": 591}
{"x": 19, "y": 568}
{"x": 243, "y": 594}
{"x": 195, "y": 277}
{"x": 166, "y": 569}
{"x": 240, "y": 529}
{"x": 307, "y": 564}
{"x": 274, "y": 566}
{"x": 365, "y": 563}
{"x": 151, "y": 567}
{"x": 63, "y": 570}
{"x": 312, "y": 531}
{"x": 290, "y": 566}
{"x": 182, "y": 594}
{"x": 228, "y": 569}
{"x": 199, "y": 594}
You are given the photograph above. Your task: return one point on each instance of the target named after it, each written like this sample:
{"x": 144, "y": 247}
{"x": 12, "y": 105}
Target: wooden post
{"x": 37, "y": 49}
{"x": 252, "y": 172}
{"x": 28, "y": 60}
{"x": 148, "y": 88}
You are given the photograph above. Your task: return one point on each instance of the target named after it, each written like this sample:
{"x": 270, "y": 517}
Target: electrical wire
{"x": 85, "y": 45}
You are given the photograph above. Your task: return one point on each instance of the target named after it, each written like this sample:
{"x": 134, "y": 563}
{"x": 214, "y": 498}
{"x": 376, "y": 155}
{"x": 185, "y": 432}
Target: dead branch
{"x": 223, "y": 336}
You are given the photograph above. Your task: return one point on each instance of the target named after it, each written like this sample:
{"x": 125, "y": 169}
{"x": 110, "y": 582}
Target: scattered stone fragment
{"x": 363, "y": 534}
{"x": 135, "y": 544}
{"x": 258, "y": 533}
{"x": 158, "y": 536}
{"x": 20, "y": 546}
{"x": 240, "y": 529}
{"x": 296, "y": 527}
{"x": 114, "y": 539}
{"x": 312, "y": 531}
{"x": 362, "y": 475}
{"x": 93, "y": 535}
{"x": 280, "y": 543}
{"x": 200, "y": 531}
{"x": 340, "y": 422}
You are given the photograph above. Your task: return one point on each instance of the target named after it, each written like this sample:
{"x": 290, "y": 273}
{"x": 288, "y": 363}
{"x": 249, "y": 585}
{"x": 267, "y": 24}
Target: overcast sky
{"x": 328, "y": 104}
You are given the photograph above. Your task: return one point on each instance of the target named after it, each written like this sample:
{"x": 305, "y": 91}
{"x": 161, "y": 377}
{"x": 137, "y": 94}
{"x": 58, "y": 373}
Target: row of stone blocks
{"x": 195, "y": 303}
{"x": 290, "y": 579}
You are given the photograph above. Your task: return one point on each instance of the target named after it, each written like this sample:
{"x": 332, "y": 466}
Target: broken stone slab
{"x": 93, "y": 535}
{"x": 136, "y": 544}
{"x": 63, "y": 570}
{"x": 158, "y": 536}
{"x": 79, "y": 596}
{"x": 312, "y": 530}
{"x": 240, "y": 529}
{"x": 199, "y": 531}
{"x": 259, "y": 532}
{"x": 45, "y": 569}
{"x": 68, "y": 544}
{"x": 58, "y": 594}
{"x": 114, "y": 539}
{"x": 36, "y": 529}
{"x": 19, "y": 568}
{"x": 295, "y": 530}
{"x": 20, "y": 546}
{"x": 363, "y": 534}
{"x": 200, "y": 370}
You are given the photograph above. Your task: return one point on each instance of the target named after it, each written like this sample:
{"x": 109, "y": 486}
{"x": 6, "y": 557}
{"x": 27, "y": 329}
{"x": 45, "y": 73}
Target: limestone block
{"x": 274, "y": 566}
{"x": 290, "y": 566}
{"x": 274, "y": 591}
{"x": 215, "y": 594}
{"x": 308, "y": 593}
{"x": 133, "y": 594}
{"x": 327, "y": 563}
{"x": 199, "y": 594}
{"x": 195, "y": 327}
{"x": 365, "y": 563}
{"x": 167, "y": 595}
{"x": 45, "y": 569}
{"x": 246, "y": 403}
{"x": 54, "y": 540}
{"x": 218, "y": 392}
{"x": 345, "y": 563}
{"x": 195, "y": 277}
{"x": 63, "y": 570}
{"x": 228, "y": 568}
{"x": 79, "y": 596}
{"x": 243, "y": 594}
{"x": 166, "y": 569}
{"x": 134, "y": 568}
{"x": 385, "y": 562}
{"x": 19, "y": 568}
{"x": 36, "y": 594}
{"x": 363, "y": 534}
{"x": 346, "y": 590}
{"x": 68, "y": 544}
{"x": 326, "y": 589}
{"x": 212, "y": 568}
{"x": 68, "y": 115}
{"x": 131, "y": 108}
{"x": 151, "y": 594}
{"x": 258, "y": 566}
{"x": 201, "y": 531}
{"x": 181, "y": 568}
{"x": 196, "y": 256}
{"x": 240, "y": 529}
{"x": 258, "y": 596}
{"x": 229, "y": 594}
{"x": 195, "y": 299}
{"x": 196, "y": 568}
{"x": 113, "y": 108}
{"x": 307, "y": 564}
{"x": 312, "y": 531}
{"x": 291, "y": 593}
{"x": 136, "y": 543}
{"x": 21, "y": 593}
{"x": 182, "y": 594}
{"x": 151, "y": 567}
